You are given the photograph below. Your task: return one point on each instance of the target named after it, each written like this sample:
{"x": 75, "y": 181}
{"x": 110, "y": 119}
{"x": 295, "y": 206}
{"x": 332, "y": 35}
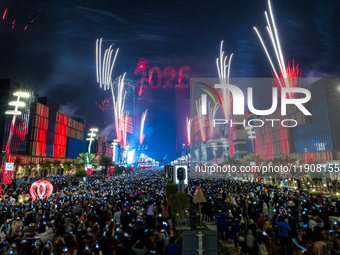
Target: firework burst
{"x": 104, "y": 69}
{"x": 224, "y": 73}
{"x": 212, "y": 113}
{"x": 285, "y": 77}
{"x": 142, "y": 65}
{"x": 121, "y": 117}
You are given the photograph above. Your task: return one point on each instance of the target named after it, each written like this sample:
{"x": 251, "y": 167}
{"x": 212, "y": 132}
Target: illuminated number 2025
{"x": 168, "y": 71}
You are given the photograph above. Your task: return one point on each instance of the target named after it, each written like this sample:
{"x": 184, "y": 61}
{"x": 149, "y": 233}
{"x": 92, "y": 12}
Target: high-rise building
{"x": 315, "y": 138}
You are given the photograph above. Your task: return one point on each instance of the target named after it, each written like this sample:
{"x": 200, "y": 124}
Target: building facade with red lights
{"x": 314, "y": 138}
{"x": 41, "y": 132}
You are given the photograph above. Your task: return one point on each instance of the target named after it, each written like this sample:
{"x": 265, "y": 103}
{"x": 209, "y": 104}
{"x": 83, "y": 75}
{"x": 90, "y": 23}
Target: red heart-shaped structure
{"x": 41, "y": 189}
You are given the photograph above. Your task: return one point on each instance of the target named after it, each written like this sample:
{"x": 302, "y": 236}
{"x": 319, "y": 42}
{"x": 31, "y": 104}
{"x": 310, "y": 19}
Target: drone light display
{"x": 41, "y": 189}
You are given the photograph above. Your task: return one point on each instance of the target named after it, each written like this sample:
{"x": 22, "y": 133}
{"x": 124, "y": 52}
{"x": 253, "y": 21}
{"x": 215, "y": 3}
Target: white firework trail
{"x": 204, "y": 153}
{"x": 211, "y": 114}
{"x": 272, "y": 30}
{"x": 142, "y": 121}
{"x": 104, "y": 69}
{"x": 189, "y": 123}
{"x": 224, "y": 75}
{"x": 124, "y": 129}
{"x": 118, "y": 108}
{"x": 197, "y": 155}
{"x": 201, "y": 119}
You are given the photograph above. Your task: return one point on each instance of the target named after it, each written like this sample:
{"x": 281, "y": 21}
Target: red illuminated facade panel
{"x": 65, "y": 127}
{"x": 39, "y": 126}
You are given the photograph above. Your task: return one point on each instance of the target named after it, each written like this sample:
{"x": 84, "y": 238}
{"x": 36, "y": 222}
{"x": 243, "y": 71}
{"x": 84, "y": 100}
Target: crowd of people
{"x": 130, "y": 214}
{"x": 264, "y": 219}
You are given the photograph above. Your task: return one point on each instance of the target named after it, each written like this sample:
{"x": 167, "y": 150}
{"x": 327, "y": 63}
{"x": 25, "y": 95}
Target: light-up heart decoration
{"x": 41, "y": 189}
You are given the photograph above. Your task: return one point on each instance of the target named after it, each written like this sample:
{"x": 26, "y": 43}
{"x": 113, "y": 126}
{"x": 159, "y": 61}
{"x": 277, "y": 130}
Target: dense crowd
{"x": 130, "y": 214}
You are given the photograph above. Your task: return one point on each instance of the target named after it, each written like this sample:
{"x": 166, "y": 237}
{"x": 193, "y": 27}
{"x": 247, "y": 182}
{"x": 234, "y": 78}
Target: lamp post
{"x": 91, "y": 135}
{"x": 14, "y": 112}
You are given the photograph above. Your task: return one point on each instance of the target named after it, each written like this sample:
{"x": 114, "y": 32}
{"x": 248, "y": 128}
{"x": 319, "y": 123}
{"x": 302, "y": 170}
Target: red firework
{"x": 105, "y": 105}
{"x": 293, "y": 79}
{"x": 142, "y": 65}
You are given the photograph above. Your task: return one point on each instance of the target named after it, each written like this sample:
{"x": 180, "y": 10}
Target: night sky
{"x": 55, "y": 55}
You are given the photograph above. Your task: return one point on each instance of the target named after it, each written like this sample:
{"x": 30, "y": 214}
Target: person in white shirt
{"x": 117, "y": 215}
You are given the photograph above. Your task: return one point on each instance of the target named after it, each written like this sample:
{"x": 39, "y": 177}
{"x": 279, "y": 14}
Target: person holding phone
{"x": 284, "y": 230}
{"x": 87, "y": 250}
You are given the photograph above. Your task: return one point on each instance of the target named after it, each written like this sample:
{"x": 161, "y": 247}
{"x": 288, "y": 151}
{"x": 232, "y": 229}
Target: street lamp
{"x": 14, "y": 112}
{"x": 17, "y": 103}
{"x": 91, "y": 137}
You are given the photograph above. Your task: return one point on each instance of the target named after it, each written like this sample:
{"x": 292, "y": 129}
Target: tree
{"x": 81, "y": 173}
{"x": 106, "y": 162}
{"x": 32, "y": 166}
{"x": 179, "y": 203}
{"x": 82, "y": 160}
{"x": 67, "y": 166}
{"x": 45, "y": 164}
{"x": 18, "y": 162}
{"x": 119, "y": 169}
{"x": 250, "y": 158}
{"x": 233, "y": 161}
{"x": 170, "y": 189}
{"x": 56, "y": 165}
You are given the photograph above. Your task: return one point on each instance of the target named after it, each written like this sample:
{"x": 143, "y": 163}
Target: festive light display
{"x": 286, "y": 77}
{"x": 201, "y": 120}
{"x": 41, "y": 189}
{"x": 168, "y": 71}
{"x": 4, "y": 15}
{"x": 225, "y": 95}
{"x": 142, "y": 65}
{"x": 159, "y": 76}
{"x": 104, "y": 69}
{"x": 182, "y": 76}
{"x": 211, "y": 113}
{"x": 7, "y": 176}
{"x": 141, "y": 135}
{"x": 105, "y": 105}
{"x": 121, "y": 117}
{"x": 140, "y": 83}
{"x": 189, "y": 123}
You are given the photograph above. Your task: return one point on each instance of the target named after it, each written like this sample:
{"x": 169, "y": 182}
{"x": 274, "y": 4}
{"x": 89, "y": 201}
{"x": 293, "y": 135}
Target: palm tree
{"x": 106, "y": 162}
{"x": 67, "y": 166}
{"x": 82, "y": 160}
{"x": 45, "y": 164}
{"x": 250, "y": 158}
{"x": 31, "y": 165}
{"x": 18, "y": 162}
{"x": 56, "y": 165}
{"x": 233, "y": 161}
